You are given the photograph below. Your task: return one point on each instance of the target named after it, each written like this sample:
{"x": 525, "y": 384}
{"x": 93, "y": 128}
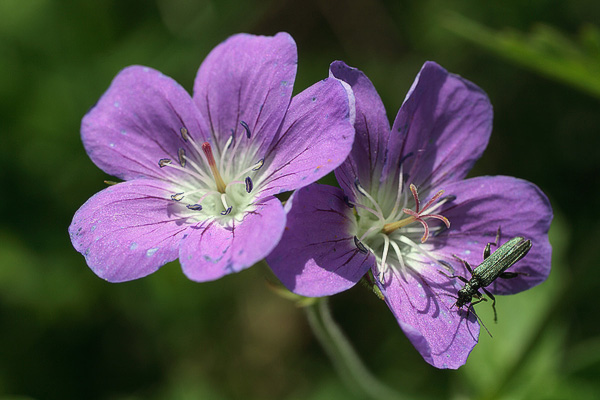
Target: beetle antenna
{"x": 479, "y": 319}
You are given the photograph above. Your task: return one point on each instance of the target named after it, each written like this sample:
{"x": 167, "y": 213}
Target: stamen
{"x": 417, "y": 215}
{"x": 369, "y": 209}
{"x": 371, "y": 229}
{"x": 249, "y": 184}
{"x": 181, "y": 155}
{"x": 362, "y": 191}
{"x": 194, "y": 207}
{"x": 184, "y": 133}
{"x": 361, "y": 247}
{"x": 178, "y": 196}
{"x": 258, "y": 165}
{"x": 255, "y": 167}
{"x": 223, "y": 153}
{"x": 163, "y": 162}
{"x": 224, "y": 201}
{"x": 227, "y": 211}
{"x": 442, "y": 201}
{"x": 347, "y": 201}
{"x": 401, "y": 162}
{"x": 229, "y": 142}
{"x": 418, "y": 248}
{"x": 196, "y": 172}
{"x": 399, "y": 192}
{"x": 383, "y": 265}
{"x": 246, "y": 127}
{"x": 398, "y": 254}
{"x": 213, "y": 167}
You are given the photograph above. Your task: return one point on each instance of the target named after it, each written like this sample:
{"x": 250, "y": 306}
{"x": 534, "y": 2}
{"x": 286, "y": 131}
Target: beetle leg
{"x": 491, "y": 296}
{"x": 465, "y": 263}
{"x": 478, "y": 301}
{"x": 487, "y": 251}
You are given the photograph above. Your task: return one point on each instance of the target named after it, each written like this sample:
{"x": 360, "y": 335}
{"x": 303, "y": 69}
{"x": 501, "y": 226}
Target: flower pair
{"x": 200, "y": 174}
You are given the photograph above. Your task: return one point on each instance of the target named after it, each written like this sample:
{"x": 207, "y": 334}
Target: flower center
{"x": 388, "y": 229}
{"x": 417, "y": 215}
{"x": 214, "y": 189}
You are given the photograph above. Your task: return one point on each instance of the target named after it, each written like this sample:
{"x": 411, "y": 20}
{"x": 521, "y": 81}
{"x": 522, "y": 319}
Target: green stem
{"x": 347, "y": 363}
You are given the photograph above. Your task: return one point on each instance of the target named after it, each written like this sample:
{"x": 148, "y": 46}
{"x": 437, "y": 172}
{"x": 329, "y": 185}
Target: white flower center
{"x": 389, "y": 230}
{"x": 225, "y": 189}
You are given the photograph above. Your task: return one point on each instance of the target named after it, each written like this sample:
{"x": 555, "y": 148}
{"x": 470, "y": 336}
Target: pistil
{"x": 417, "y": 215}
{"x": 213, "y": 167}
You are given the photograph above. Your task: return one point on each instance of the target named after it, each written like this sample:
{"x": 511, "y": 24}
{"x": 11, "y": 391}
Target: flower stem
{"x": 343, "y": 356}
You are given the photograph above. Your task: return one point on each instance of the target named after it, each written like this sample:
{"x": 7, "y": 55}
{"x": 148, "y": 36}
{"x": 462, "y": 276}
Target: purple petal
{"x": 372, "y": 130}
{"x": 212, "y": 250}
{"x": 315, "y": 138}
{"x": 441, "y": 129}
{"x": 137, "y": 122}
{"x": 317, "y": 255}
{"x": 482, "y": 205}
{"x": 129, "y": 230}
{"x": 247, "y": 78}
{"x": 423, "y": 306}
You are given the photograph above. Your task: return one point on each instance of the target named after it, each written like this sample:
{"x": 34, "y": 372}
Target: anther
{"x": 361, "y": 247}
{"x": 194, "y": 207}
{"x": 177, "y": 196}
{"x": 347, "y": 201}
{"x": 258, "y": 165}
{"x": 227, "y": 211}
{"x": 213, "y": 167}
{"x": 246, "y": 127}
{"x": 404, "y": 158}
{"x": 229, "y": 142}
{"x": 249, "y": 184}
{"x": 163, "y": 162}
{"x": 359, "y": 187}
{"x": 181, "y": 155}
{"x": 184, "y": 133}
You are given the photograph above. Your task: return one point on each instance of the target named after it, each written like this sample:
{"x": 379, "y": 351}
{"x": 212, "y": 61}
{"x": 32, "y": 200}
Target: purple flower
{"x": 200, "y": 172}
{"x": 405, "y": 209}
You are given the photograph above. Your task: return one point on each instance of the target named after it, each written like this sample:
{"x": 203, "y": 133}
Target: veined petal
{"x": 247, "y": 78}
{"x": 212, "y": 250}
{"x": 483, "y": 205}
{"x": 317, "y": 254}
{"x": 442, "y": 128}
{"x": 372, "y": 130}
{"x": 315, "y": 138}
{"x": 137, "y": 122}
{"x": 423, "y": 306}
{"x": 128, "y": 230}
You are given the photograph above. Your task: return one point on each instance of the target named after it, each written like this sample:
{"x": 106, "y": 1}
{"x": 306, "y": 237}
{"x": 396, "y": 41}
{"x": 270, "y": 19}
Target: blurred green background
{"x": 66, "y": 334}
